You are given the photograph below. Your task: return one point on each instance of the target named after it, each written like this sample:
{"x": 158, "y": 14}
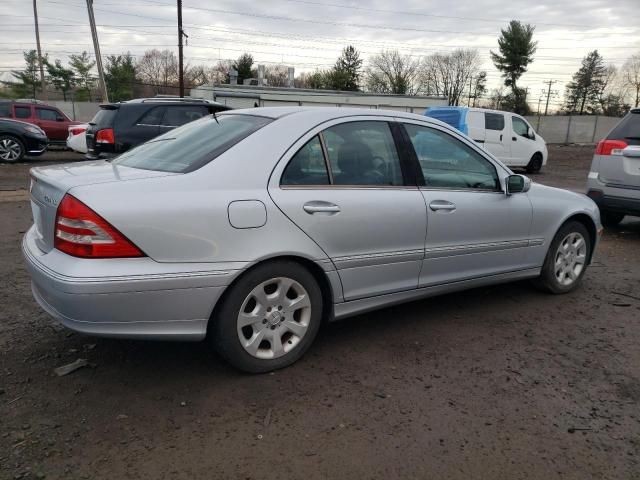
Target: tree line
{"x": 597, "y": 87}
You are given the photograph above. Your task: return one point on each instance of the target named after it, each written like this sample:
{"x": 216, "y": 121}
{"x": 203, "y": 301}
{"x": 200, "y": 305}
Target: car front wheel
{"x": 269, "y": 318}
{"x": 535, "y": 164}
{"x": 11, "y": 149}
{"x": 567, "y": 258}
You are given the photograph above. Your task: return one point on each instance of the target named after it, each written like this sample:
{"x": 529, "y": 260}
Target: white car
{"x": 506, "y": 135}
{"x": 77, "y": 141}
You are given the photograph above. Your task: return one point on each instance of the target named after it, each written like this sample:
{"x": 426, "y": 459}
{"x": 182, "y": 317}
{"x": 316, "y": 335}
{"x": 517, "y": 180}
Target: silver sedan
{"x": 251, "y": 227}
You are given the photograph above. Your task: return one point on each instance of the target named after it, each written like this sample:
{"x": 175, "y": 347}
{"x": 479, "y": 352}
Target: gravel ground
{"x": 500, "y": 382}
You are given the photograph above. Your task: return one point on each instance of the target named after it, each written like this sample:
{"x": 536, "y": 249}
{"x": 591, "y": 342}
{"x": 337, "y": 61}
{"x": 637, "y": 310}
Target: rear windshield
{"x": 193, "y": 145}
{"x": 104, "y": 117}
{"x": 627, "y": 129}
{"x": 450, "y": 117}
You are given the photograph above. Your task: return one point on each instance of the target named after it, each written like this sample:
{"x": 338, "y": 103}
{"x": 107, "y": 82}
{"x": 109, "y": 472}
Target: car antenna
{"x": 215, "y": 118}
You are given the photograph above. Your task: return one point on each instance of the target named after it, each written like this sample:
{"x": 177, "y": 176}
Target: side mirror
{"x": 531, "y": 134}
{"x": 632, "y": 151}
{"x": 517, "y": 184}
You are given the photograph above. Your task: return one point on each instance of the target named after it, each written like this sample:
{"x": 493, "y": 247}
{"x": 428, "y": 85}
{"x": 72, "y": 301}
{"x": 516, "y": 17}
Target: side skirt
{"x": 355, "y": 307}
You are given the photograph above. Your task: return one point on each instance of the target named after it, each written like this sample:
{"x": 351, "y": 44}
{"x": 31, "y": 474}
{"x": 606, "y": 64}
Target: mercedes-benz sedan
{"x": 253, "y": 226}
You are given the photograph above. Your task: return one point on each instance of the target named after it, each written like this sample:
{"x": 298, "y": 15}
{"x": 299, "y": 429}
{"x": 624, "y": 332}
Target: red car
{"x": 50, "y": 119}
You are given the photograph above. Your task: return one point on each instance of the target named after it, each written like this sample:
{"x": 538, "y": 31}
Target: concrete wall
{"x": 80, "y": 111}
{"x": 574, "y": 128}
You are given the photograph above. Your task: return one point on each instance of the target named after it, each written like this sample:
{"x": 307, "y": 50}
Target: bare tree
{"x": 392, "y": 72}
{"x": 496, "y": 97}
{"x": 277, "y": 75}
{"x": 158, "y": 69}
{"x": 219, "y": 73}
{"x": 631, "y": 77}
{"x": 449, "y": 74}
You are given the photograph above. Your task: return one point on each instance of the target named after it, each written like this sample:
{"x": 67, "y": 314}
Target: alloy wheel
{"x": 10, "y": 150}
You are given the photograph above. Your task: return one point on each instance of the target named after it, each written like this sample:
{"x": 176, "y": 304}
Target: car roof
{"x": 173, "y": 101}
{"x": 328, "y": 113}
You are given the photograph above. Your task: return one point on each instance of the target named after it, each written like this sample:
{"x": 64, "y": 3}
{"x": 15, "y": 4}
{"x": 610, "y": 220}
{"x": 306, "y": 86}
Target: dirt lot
{"x": 501, "y": 382}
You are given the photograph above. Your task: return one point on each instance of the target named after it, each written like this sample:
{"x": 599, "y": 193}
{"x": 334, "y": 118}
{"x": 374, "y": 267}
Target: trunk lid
{"x": 50, "y": 184}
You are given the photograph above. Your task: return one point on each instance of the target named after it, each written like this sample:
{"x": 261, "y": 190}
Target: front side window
{"x": 5, "y": 109}
{"x": 446, "y": 162}
{"x": 363, "y": 153}
{"x": 193, "y": 145}
{"x": 307, "y": 167}
{"x": 520, "y": 127}
{"x": 23, "y": 112}
{"x": 46, "y": 114}
{"x": 179, "y": 115}
{"x": 494, "y": 121}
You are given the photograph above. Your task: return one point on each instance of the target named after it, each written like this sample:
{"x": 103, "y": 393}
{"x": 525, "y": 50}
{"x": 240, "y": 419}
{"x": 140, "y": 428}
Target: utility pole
{"x": 180, "y": 59}
{"x": 546, "y": 108}
{"x": 96, "y": 49}
{"x": 469, "y": 101}
{"x": 43, "y": 85}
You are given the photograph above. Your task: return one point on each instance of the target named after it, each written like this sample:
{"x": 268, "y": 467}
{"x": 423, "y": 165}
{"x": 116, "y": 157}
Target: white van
{"x": 506, "y": 135}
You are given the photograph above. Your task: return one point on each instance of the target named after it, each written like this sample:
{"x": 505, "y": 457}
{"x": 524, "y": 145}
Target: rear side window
{"x": 494, "y": 121}
{"x": 179, "y": 115}
{"x": 307, "y": 167}
{"x": 193, "y": 145}
{"x": 23, "y": 112}
{"x": 5, "y": 110}
{"x": 152, "y": 117}
{"x": 104, "y": 117}
{"x": 627, "y": 129}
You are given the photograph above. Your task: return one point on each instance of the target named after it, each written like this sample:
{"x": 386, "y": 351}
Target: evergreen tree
{"x": 60, "y": 77}
{"x": 120, "y": 76}
{"x": 584, "y": 91}
{"x": 516, "y": 47}
{"x": 28, "y": 81}
{"x": 244, "y": 66}
{"x": 82, "y": 66}
{"x": 345, "y": 74}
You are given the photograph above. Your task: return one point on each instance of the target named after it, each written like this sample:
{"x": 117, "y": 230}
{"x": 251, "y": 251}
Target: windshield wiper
{"x": 214, "y": 117}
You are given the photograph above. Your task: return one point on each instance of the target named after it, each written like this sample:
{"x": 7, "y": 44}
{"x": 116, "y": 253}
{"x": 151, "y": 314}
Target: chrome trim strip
{"x": 536, "y": 242}
{"x": 622, "y": 186}
{"x": 348, "y": 187}
{"x": 355, "y": 307}
{"x": 449, "y": 251}
{"x": 373, "y": 259}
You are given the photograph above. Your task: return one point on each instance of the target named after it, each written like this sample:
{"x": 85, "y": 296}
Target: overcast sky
{"x": 309, "y": 34}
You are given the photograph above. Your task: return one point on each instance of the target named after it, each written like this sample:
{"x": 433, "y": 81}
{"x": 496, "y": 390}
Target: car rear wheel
{"x": 11, "y": 149}
{"x": 610, "y": 219}
{"x": 567, "y": 258}
{"x": 269, "y": 318}
{"x": 535, "y": 164}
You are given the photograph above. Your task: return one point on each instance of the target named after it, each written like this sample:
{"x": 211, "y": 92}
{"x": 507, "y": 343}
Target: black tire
{"x": 535, "y": 164}
{"x": 18, "y": 143}
{"x": 548, "y": 280}
{"x": 224, "y": 324}
{"x": 610, "y": 219}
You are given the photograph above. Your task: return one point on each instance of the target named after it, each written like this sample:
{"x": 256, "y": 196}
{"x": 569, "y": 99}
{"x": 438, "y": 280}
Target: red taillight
{"x": 610, "y": 147}
{"x": 77, "y": 131}
{"x": 81, "y": 232}
{"x": 105, "y": 136}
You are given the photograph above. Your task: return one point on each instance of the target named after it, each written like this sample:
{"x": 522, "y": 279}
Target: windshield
{"x": 193, "y": 145}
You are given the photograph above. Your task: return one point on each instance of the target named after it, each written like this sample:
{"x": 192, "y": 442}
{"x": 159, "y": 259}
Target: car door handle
{"x": 320, "y": 207}
{"x": 500, "y": 137}
{"x": 514, "y": 139}
{"x": 442, "y": 205}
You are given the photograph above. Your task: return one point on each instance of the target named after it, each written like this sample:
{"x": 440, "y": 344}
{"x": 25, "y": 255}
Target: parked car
{"x": 77, "y": 140}
{"x": 614, "y": 180}
{"x": 255, "y": 225}
{"x": 18, "y": 139}
{"x": 506, "y": 135}
{"x": 119, "y": 126}
{"x": 49, "y": 118}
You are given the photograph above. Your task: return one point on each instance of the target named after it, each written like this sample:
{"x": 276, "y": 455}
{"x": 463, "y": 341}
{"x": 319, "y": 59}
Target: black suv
{"x": 119, "y": 126}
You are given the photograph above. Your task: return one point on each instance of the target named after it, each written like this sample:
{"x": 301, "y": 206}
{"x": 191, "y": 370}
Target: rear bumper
{"x": 151, "y": 304}
{"x": 613, "y": 198}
